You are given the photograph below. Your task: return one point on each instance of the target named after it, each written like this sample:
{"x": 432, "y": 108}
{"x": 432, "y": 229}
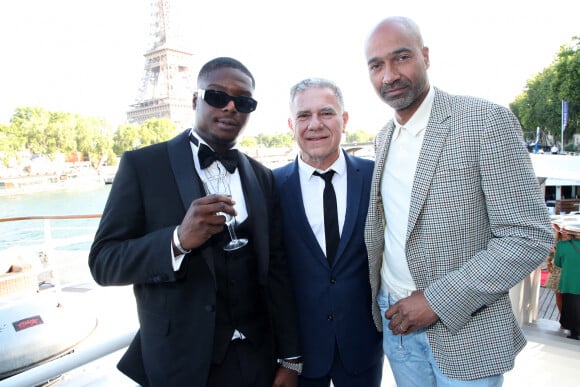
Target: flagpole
{"x": 564, "y": 120}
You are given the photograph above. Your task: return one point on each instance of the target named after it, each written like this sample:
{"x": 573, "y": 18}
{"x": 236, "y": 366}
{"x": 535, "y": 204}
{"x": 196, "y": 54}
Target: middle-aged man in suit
{"x": 456, "y": 218}
{"x": 208, "y": 317}
{"x": 338, "y": 337}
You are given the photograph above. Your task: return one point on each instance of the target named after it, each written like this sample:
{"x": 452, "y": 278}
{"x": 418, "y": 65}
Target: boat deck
{"x": 547, "y": 305}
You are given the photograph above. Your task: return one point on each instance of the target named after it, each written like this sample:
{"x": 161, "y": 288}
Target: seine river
{"x": 77, "y": 202}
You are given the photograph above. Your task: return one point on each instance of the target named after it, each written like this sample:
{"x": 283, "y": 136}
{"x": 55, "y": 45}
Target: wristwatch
{"x": 291, "y": 366}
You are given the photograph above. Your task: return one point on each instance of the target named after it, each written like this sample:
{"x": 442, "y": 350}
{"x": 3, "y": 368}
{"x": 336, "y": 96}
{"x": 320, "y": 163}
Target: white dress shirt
{"x": 235, "y": 186}
{"x": 312, "y": 188}
{"x": 396, "y": 186}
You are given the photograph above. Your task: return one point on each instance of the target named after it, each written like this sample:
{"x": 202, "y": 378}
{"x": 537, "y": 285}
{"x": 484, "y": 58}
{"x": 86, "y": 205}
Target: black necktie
{"x": 331, "y": 233}
{"x": 229, "y": 158}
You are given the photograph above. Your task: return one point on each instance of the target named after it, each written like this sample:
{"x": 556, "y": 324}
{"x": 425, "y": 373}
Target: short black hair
{"x": 223, "y": 62}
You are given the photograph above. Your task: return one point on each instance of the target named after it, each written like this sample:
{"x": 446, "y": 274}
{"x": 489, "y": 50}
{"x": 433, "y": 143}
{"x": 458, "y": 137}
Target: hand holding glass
{"x": 220, "y": 185}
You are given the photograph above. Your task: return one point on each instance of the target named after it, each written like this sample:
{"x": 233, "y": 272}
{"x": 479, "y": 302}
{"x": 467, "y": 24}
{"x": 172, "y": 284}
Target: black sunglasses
{"x": 220, "y": 99}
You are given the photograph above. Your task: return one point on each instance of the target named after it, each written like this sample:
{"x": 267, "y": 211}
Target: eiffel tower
{"x": 165, "y": 88}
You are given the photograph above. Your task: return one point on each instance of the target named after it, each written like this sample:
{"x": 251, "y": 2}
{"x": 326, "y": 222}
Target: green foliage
{"x": 541, "y": 102}
{"x": 134, "y": 136}
{"x": 280, "y": 140}
{"x": 285, "y": 140}
{"x": 35, "y": 130}
{"x": 248, "y": 142}
{"x": 359, "y": 136}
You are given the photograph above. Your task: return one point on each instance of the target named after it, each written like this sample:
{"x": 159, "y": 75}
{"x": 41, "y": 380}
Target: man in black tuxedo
{"x": 208, "y": 317}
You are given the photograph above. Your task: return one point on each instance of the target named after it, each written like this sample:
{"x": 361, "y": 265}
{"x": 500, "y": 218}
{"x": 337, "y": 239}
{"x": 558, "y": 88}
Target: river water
{"x": 72, "y": 202}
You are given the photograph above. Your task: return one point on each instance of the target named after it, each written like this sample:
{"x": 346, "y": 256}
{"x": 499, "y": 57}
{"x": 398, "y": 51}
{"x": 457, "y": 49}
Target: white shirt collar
{"x": 201, "y": 141}
{"x": 339, "y": 166}
{"x": 419, "y": 120}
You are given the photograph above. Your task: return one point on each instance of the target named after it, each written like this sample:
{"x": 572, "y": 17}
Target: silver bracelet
{"x": 291, "y": 366}
{"x": 177, "y": 243}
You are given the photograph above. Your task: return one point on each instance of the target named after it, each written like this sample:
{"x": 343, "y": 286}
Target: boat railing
{"x": 71, "y": 244}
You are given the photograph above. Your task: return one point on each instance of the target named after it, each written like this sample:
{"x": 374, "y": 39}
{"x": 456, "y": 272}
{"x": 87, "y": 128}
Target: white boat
{"x": 40, "y": 328}
{"x": 51, "y": 312}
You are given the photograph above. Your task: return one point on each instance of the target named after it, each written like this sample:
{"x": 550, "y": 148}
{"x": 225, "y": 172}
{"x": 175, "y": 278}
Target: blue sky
{"x": 86, "y": 56}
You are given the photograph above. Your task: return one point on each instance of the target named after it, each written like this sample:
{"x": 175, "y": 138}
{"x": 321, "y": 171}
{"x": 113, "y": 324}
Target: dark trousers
{"x": 243, "y": 366}
{"x": 371, "y": 377}
{"x": 570, "y": 317}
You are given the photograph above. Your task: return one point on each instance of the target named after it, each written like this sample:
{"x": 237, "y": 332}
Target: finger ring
{"x": 401, "y": 328}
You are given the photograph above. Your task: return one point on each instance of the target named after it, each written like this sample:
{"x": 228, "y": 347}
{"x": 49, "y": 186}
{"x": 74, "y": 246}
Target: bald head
{"x": 398, "y": 61}
{"x": 402, "y": 25}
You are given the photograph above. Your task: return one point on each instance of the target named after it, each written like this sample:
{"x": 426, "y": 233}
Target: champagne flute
{"x": 220, "y": 184}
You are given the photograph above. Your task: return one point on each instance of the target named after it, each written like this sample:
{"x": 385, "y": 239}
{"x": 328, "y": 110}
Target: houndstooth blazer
{"x": 477, "y": 226}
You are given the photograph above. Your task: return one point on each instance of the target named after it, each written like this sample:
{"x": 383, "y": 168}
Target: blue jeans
{"x": 412, "y": 361}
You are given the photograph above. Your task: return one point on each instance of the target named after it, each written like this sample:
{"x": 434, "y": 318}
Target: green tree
{"x": 359, "y": 136}
{"x": 30, "y": 124}
{"x": 94, "y": 139}
{"x": 566, "y": 84}
{"x": 127, "y": 137}
{"x": 540, "y": 103}
{"x": 248, "y": 142}
{"x": 280, "y": 140}
{"x": 40, "y": 131}
{"x": 134, "y": 136}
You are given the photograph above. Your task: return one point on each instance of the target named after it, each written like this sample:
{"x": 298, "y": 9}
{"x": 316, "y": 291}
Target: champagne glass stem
{"x": 232, "y": 231}
{"x": 220, "y": 184}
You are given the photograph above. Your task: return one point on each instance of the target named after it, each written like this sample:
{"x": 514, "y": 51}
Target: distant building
{"x": 560, "y": 175}
{"x": 166, "y": 88}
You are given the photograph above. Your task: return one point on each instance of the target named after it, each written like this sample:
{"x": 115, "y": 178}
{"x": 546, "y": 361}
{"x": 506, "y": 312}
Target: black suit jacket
{"x": 152, "y": 190}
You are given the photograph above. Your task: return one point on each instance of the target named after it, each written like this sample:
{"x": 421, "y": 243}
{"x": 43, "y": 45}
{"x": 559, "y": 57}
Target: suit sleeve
{"x": 126, "y": 250}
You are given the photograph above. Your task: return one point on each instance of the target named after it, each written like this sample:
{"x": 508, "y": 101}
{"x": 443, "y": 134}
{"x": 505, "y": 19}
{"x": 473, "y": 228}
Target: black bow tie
{"x": 229, "y": 159}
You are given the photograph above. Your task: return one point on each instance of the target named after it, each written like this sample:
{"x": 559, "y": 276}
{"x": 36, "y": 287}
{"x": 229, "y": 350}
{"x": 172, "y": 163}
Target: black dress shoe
{"x": 573, "y": 337}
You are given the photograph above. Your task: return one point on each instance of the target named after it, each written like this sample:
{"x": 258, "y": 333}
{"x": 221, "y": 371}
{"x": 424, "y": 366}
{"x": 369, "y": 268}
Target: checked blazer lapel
{"x": 375, "y": 228}
{"x": 435, "y": 135}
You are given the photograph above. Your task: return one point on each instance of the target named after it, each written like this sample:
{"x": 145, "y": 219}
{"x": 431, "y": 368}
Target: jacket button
{"x": 332, "y": 281}
{"x": 209, "y": 308}
{"x": 329, "y": 317}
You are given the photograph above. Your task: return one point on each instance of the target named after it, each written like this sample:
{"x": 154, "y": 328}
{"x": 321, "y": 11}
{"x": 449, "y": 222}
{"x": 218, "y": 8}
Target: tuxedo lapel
{"x": 255, "y": 199}
{"x": 188, "y": 182}
{"x": 183, "y": 167}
